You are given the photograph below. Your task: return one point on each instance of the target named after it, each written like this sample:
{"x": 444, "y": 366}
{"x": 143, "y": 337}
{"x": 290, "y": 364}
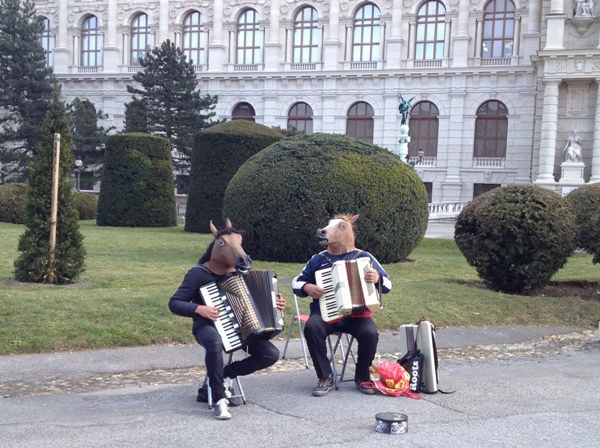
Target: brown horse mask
{"x": 227, "y": 254}
{"x": 338, "y": 236}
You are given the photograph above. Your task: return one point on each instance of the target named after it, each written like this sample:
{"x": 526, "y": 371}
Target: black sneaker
{"x": 366, "y": 387}
{"x": 323, "y": 387}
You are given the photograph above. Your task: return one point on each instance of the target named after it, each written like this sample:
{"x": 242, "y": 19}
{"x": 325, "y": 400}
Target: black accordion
{"x": 247, "y": 308}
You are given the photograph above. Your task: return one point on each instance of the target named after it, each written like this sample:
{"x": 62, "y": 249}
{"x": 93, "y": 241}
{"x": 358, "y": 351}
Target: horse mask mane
{"x": 338, "y": 235}
{"x": 227, "y": 255}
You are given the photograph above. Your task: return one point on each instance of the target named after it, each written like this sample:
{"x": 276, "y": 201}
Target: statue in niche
{"x": 572, "y": 149}
{"x": 583, "y": 8}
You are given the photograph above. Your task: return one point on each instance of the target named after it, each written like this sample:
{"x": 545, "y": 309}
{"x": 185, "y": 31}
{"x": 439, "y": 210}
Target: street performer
{"x": 220, "y": 260}
{"x": 339, "y": 238}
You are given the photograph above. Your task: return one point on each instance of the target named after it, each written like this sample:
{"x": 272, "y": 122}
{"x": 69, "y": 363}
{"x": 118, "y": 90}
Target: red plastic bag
{"x": 394, "y": 380}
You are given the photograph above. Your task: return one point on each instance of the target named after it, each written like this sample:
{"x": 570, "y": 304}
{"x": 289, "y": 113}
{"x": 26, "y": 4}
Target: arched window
{"x": 300, "y": 117}
{"x": 306, "y": 36}
{"x": 243, "y": 111}
{"x": 491, "y": 130}
{"x": 424, "y": 127}
{"x": 367, "y": 34}
{"x": 249, "y": 38}
{"x": 498, "y": 29}
{"x": 359, "y": 122}
{"x": 90, "y": 45}
{"x": 194, "y": 38}
{"x": 431, "y": 31}
{"x": 46, "y": 40}
{"x": 141, "y": 38}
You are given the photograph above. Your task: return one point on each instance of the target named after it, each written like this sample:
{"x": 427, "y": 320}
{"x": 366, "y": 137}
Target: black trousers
{"x": 262, "y": 354}
{"x": 364, "y": 331}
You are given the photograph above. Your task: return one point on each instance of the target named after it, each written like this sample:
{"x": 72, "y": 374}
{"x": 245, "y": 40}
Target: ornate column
{"x": 272, "y": 46}
{"x": 462, "y": 38}
{"x": 555, "y": 22}
{"x": 332, "y": 44}
{"x": 395, "y": 41}
{"x": 110, "y": 49}
{"x": 596, "y": 146}
{"x": 61, "y": 51}
{"x": 548, "y": 133}
{"x": 479, "y": 37}
{"x": 216, "y": 49}
{"x": 163, "y": 22}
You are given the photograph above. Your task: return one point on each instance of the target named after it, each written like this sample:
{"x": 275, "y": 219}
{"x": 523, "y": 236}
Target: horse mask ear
{"x": 213, "y": 229}
{"x": 354, "y": 218}
{"x": 228, "y": 223}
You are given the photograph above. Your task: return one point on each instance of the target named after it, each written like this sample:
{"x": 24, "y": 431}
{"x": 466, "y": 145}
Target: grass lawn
{"x": 121, "y": 298}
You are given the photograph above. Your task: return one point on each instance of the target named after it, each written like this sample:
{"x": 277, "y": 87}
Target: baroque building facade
{"x": 495, "y": 88}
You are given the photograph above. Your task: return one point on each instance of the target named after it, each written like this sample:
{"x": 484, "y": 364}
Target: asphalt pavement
{"x": 542, "y": 401}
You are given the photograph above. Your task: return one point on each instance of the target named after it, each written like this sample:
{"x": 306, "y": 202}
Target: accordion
{"x": 247, "y": 308}
{"x": 346, "y": 291}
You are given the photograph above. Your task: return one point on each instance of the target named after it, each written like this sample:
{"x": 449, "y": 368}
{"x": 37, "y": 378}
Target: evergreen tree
{"x": 25, "y": 87}
{"x": 88, "y": 138}
{"x": 169, "y": 99}
{"x": 34, "y": 264}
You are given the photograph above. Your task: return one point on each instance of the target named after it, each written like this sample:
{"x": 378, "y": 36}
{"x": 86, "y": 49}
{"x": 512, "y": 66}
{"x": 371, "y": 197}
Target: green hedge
{"x": 586, "y": 203}
{"x": 13, "y": 198}
{"x": 138, "y": 188}
{"x": 517, "y": 237}
{"x": 86, "y": 205}
{"x": 283, "y": 194}
{"x": 217, "y": 154}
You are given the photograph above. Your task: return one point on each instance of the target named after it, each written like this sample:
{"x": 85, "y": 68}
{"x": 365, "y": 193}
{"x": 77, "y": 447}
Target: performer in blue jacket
{"x": 338, "y": 236}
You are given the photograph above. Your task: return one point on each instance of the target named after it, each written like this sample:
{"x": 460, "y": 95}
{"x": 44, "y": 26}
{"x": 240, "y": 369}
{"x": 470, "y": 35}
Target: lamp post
{"x": 78, "y": 165}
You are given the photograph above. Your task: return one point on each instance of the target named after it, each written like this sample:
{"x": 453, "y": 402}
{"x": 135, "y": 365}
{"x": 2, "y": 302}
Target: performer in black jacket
{"x": 188, "y": 302}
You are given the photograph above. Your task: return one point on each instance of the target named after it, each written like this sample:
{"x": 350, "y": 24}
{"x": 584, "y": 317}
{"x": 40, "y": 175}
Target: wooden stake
{"x": 51, "y": 274}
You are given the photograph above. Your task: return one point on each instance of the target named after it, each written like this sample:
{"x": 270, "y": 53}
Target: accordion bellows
{"x": 247, "y": 306}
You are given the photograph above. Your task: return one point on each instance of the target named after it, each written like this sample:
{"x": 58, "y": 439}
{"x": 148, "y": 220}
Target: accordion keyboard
{"x": 226, "y": 322}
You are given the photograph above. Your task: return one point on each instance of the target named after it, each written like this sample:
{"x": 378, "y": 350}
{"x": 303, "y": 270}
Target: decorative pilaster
{"x": 548, "y": 133}
{"x": 596, "y": 145}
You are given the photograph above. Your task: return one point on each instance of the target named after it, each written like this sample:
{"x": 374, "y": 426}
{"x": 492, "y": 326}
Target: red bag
{"x": 394, "y": 380}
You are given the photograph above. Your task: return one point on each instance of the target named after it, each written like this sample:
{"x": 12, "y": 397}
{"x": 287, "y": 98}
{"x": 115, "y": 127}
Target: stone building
{"x": 495, "y": 88}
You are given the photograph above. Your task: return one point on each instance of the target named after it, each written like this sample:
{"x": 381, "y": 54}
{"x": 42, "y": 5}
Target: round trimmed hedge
{"x": 517, "y": 237}
{"x": 13, "y": 198}
{"x": 586, "y": 203}
{"x": 283, "y": 194}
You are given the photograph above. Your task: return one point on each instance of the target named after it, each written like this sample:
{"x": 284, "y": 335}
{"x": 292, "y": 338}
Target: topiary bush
{"x": 516, "y": 237}
{"x": 13, "y": 198}
{"x": 217, "y": 154}
{"x": 283, "y": 194}
{"x": 586, "y": 203}
{"x": 138, "y": 189}
{"x": 86, "y": 205}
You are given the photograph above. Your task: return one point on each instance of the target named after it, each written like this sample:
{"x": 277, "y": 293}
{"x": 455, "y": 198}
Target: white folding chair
{"x": 300, "y": 319}
{"x": 337, "y": 349}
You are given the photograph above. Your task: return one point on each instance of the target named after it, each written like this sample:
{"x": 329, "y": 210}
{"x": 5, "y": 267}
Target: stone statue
{"x": 572, "y": 149}
{"x": 583, "y": 8}
{"x": 404, "y": 108}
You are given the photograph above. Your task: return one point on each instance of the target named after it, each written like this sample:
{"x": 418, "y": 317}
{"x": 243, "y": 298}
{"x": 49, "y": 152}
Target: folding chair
{"x": 240, "y": 393}
{"x": 345, "y": 355}
{"x": 300, "y": 319}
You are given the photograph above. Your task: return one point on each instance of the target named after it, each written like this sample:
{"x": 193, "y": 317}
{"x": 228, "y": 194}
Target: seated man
{"x": 219, "y": 261}
{"x": 338, "y": 236}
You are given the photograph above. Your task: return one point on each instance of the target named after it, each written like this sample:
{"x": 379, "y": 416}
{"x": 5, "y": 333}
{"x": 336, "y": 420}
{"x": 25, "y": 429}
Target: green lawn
{"x": 121, "y": 299}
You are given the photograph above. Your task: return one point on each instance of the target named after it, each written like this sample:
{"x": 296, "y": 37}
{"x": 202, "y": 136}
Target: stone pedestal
{"x": 404, "y": 140}
{"x": 571, "y": 173}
